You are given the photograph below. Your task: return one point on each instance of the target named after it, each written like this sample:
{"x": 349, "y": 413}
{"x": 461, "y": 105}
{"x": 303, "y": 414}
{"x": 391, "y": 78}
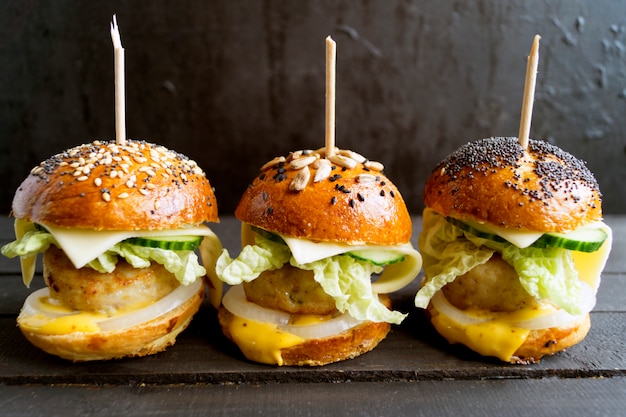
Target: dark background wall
{"x": 235, "y": 83}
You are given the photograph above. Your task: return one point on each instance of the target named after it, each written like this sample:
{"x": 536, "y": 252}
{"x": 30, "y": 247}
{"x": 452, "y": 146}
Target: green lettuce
{"x": 346, "y": 279}
{"x": 31, "y": 243}
{"x": 183, "y": 264}
{"x": 448, "y": 252}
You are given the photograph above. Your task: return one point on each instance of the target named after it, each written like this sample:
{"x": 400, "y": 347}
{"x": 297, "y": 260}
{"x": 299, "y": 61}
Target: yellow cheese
{"x": 84, "y": 245}
{"x": 489, "y": 338}
{"x": 308, "y": 319}
{"x": 261, "y": 342}
{"x": 590, "y": 264}
{"x": 80, "y": 322}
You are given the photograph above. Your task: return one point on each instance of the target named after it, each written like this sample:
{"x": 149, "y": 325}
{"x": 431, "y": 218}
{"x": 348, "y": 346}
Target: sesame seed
{"x": 106, "y": 197}
{"x": 97, "y": 182}
{"x": 82, "y": 178}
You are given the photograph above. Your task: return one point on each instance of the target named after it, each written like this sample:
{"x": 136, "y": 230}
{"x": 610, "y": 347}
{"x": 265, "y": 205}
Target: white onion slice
{"x": 33, "y": 306}
{"x": 235, "y": 301}
{"x": 561, "y": 318}
{"x": 174, "y": 299}
{"x": 553, "y": 317}
{"x": 441, "y": 303}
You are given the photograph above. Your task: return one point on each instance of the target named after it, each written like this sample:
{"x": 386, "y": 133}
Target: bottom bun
{"x": 540, "y": 343}
{"x": 144, "y": 339}
{"x": 317, "y": 352}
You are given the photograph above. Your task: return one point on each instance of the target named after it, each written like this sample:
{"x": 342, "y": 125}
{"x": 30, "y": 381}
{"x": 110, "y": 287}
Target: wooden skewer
{"x": 529, "y": 93}
{"x": 120, "y": 100}
{"x": 331, "y": 61}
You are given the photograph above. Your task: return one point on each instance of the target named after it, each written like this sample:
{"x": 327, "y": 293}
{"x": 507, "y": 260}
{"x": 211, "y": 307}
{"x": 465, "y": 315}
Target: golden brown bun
{"x": 317, "y": 352}
{"x": 145, "y": 339}
{"x": 356, "y": 206}
{"x": 494, "y": 180}
{"x": 104, "y": 186}
{"x": 540, "y": 343}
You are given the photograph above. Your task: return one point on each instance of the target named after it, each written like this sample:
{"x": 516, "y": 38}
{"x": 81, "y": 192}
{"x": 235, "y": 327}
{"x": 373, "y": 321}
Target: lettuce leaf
{"x": 265, "y": 255}
{"x": 183, "y": 264}
{"x": 348, "y": 281}
{"x": 545, "y": 273}
{"x": 30, "y": 244}
{"x": 344, "y": 278}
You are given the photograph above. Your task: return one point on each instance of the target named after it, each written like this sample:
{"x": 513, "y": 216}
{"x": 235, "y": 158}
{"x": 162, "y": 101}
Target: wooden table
{"x": 413, "y": 372}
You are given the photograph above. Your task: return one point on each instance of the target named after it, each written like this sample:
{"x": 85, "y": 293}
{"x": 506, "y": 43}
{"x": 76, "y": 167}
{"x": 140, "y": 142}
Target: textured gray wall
{"x": 234, "y": 83}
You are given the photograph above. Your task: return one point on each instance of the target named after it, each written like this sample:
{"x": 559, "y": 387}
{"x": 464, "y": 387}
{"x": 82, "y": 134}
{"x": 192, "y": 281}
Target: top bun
{"x": 106, "y": 186}
{"x": 343, "y": 198}
{"x": 496, "y": 181}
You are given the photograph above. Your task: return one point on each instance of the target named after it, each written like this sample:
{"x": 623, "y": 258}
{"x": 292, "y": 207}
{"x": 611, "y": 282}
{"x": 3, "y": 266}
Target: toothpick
{"x": 331, "y": 61}
{"x": 529, "y": 93}
{"x": 120, "y": 105}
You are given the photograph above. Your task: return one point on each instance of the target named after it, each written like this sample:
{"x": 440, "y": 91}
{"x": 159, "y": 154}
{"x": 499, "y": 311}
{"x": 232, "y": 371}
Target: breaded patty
{"x": 88, "y": 290}
{"x": 492, "y": 286}
{"x": 291, "y": 290}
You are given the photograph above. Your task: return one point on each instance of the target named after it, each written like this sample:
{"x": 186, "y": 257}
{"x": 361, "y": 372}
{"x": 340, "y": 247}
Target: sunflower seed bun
{"x": 345, "y": 198}
{"x": 315, "y": 228}
{"x": 513, "y": 245}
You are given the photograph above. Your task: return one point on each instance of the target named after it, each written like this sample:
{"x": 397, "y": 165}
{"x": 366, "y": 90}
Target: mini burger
{"x": 118, "y": 226}
{"x": 513, "y": 245}
{"x": 316, "y": 230}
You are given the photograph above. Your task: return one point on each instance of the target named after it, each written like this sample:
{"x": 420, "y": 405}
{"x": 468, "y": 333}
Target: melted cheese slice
{"x": 84, "y": 245}
{"x": 394, "y": 277}
{"x": 261, "y": 342}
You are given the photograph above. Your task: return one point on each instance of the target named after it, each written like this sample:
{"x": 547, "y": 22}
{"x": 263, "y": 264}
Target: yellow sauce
{"x": 261, "y": 342}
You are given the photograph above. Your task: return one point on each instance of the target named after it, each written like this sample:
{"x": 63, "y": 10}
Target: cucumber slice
{"x": 183, "y": 242}
{"x": 377, "y": 257}
{"x": 477, "y": 232}
{"x": 268, "y": 235}
{"x": 583, "y": 239}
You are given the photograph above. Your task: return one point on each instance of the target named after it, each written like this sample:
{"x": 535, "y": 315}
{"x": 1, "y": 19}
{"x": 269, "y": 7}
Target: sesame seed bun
{"x": 495, "y": 181}
{"x": 344, "y": 199}
{"x": 105, "y": 186}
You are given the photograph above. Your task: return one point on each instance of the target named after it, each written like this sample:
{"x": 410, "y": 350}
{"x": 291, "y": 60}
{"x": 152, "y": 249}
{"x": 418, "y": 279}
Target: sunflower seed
{"x": 322, "y": 172}
{"x": 343, "y": 161}
{"x": 302, "y": 162}
{"x": 301, "y": 179}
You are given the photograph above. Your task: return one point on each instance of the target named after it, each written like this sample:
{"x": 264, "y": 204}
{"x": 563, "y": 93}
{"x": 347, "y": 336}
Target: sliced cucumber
{"x": 268, "y": 235}
{"x": 184, "y": 242}
{"x": 475, "y": 231}
{"x": 377, "y": 257}
{"x": 583, "y": 239}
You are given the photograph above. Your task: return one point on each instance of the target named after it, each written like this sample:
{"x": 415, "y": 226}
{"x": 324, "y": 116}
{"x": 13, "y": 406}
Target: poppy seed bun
{"x": 105, "y": 186}
{"x": 344, "y": 198}
{"x": 495, "y": 181}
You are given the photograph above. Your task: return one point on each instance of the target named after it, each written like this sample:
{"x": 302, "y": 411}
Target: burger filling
{"x": 489, "y": 293}
{"x": 105, "y": 275}
{"x": 294, "y": 289}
